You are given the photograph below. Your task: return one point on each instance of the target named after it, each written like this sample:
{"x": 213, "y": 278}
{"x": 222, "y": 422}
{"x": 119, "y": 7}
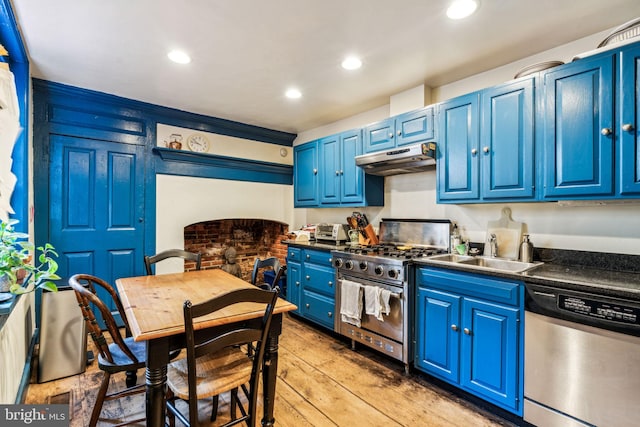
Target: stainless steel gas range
{"x": 387, "y": 267}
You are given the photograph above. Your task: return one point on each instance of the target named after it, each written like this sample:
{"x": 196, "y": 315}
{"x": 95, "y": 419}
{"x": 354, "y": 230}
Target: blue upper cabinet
{"x": 579, "y": 130}
{"x": 458, "y": 157}
{"x": 487, "y": 147}
{"x": 407, "y": 128}
{"x": 507, "y": 141}
{"x": 628, "y": 120}
{"x": 305, "y": 174}
{"x": 325, "y": 174}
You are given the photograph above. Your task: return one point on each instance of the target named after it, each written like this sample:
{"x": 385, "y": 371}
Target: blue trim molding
{"x": 187, "y": 163}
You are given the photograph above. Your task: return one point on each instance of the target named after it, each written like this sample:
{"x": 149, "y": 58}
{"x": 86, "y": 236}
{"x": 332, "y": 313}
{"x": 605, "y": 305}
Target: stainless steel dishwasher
{"x": 582, "y": 359}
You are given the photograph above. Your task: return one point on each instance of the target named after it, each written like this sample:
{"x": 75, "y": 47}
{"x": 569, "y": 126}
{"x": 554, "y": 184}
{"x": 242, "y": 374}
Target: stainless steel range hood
{"x": 411, "y": 158}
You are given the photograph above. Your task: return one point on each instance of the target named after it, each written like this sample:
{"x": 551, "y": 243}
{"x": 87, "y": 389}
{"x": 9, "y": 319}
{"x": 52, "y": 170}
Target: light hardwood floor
{"x": 321, "y": 382}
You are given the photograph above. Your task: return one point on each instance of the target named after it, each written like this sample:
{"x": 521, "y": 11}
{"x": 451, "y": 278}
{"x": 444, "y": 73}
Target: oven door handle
{"x": 397, "y": 295}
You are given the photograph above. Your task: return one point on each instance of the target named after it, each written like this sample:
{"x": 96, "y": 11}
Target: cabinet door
{"x": 318, "y": 308}
{"x": 507, "y": 152}
{"x": 305, "y": 174}
{"x": 629, "y": 120}
{"x": 458, "y": 149}
{"x": 351, "y": 176}
{"x": 489, "y": 352}
{"x": 578, "y": 129}
{"x": 329, "y": 169}
{"x": 437, "y": 333}
{"x": 414, "y": 126}
{"x": 294, "y": 283}
{"x": 320, "y": 279}
{"x": 379, "y": 136}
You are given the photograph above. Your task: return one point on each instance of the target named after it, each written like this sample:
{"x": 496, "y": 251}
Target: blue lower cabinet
{"x": 318, "y": 308}
{"x": 311, "y": 284}
{"x": 469, "y": 333}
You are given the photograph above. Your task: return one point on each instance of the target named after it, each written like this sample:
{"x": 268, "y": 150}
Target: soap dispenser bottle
{"x": 526, "y": 249}
{"x": 455, "y": 238}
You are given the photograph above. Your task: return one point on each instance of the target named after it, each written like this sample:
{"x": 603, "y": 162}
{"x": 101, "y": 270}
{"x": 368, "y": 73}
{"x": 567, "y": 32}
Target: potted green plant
{"x": 18, "y": 275}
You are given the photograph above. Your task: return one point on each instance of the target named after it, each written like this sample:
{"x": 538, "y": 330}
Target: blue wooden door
{"x": 507, "y": 148}
{"x": 414, "y": 126}
{"x": 458, "y": 131}
{"x": 489, "y": 352}
{"x": 294, "y": 280}
{"x": 379, "y": 136}
{"x": 437, "y": 333}
{"x": 578, "y": 130}
{"x": 329, "y": 169}
{"x": 351, "y": 176}
{"x": 96, "y": 209}
{"x": 628, "y": 122}
{"x": 305, "y": 174}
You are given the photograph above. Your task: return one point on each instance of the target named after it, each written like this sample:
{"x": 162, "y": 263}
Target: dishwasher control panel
{"x": 599, "y": 309}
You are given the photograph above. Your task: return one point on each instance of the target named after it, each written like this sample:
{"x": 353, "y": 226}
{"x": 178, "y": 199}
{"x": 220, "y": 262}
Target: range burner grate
{"x": 393, "y": 251}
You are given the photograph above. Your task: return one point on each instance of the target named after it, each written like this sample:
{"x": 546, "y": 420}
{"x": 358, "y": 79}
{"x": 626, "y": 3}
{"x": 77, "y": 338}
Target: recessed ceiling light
{"x": 351, "y": 63}
{"x": 461, "y": 8}
{"x": 293, "y": 93}
{"x": 179, "y": 57}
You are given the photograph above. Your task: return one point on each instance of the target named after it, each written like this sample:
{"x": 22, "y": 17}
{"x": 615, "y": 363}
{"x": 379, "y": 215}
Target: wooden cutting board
{"x": 509, "y": 235}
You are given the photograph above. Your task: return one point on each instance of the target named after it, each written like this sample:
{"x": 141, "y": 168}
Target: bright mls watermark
{"x": 34, "y": 415}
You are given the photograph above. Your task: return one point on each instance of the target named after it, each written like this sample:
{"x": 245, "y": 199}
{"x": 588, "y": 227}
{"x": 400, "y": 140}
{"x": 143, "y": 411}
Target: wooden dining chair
{"x": 149, "y": 260}
{"x": 115, "y": 353}
{"x": 264, "y": 264}
{"x": 215, "y": 365}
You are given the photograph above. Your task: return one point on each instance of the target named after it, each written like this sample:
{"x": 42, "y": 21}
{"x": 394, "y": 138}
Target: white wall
{"x": 613, "y": 228}
{"x": 182, "y": 201}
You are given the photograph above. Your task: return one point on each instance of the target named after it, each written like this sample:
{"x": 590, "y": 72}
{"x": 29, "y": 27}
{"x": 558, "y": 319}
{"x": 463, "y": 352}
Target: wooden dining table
{"x": 153, "y": 306}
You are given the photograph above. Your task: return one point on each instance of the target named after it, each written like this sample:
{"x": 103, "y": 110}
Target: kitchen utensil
{"x": 508, "y": 233}
{"x": 352, "y": 222}
{"x": 371, "y": 234}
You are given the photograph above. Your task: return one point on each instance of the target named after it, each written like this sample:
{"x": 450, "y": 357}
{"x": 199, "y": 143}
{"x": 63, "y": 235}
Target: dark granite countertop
{"x": 614, "y": 275}
{"x": 315, "y": 245}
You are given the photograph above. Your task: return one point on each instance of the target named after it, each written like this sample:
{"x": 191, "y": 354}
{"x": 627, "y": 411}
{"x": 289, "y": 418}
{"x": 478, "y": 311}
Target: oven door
{"x": 392, "y": 325}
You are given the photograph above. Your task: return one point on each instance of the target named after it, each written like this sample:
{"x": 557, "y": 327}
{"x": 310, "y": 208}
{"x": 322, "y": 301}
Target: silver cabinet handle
{"x": 390, "y": 136}
{"x": 341, "y": 172}
{"x": 399, "y": 132}
{"x": 605, "y": 131}
{"x": 330, "y": 284}
{"x": 308, "y": 277}
{"x": 474, "y": 151}
{"x": 627, "y": 127}
{"x": 454, "y": 327}
{"x": 330, "y": 314}
{"x": 485, "y": 149}
{"x": 306, "y": 305}
{"x": 337, "y": 173}
{"x": 308, "y": 256}
{"x": 466, "y": 331}
{"x": 297, "y": 283}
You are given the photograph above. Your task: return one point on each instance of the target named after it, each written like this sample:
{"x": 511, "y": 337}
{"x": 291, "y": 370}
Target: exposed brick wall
{"x": 252, "y": 238}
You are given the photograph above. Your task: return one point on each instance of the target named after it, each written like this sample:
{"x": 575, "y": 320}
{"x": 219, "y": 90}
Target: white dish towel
{"x": 351, "y": 302}
{"x": 376, "y": 301}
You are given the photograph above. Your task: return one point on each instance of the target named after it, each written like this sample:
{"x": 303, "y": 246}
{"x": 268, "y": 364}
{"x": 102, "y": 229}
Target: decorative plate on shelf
{"x": 198, "y": 143}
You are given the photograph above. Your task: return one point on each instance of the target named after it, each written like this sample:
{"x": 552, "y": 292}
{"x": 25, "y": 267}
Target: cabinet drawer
{"x": 317, "y": 257}
{"x": 481, "y": 286}
{"x": 294, "y": 254}
{"x": 318, "y": 308}
{"x": 319, "y": 279}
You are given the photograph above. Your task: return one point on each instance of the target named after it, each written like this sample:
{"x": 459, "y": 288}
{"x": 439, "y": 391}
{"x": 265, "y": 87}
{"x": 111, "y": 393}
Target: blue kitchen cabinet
{"x": 457, "y": 158}
{"x": 487, "y": 149}
{"x": 305, "y": 174}
{"x": 468, "y": 332}
{"x": 507, "y": 155}
{"x": 579, "y": 136}
{"x": 411, "y": 127}
{"x": 294, "y": 276}
{"x": 341, "y": 181}
{"x": 314, "y": 285}
{"x": 628, "y": 122}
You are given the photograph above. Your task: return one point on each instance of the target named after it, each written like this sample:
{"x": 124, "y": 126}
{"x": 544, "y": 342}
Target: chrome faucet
{"x": 493, "y": 241}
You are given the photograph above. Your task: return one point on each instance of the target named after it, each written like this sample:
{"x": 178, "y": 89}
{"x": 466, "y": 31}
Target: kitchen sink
{"x": 485, "y": 263}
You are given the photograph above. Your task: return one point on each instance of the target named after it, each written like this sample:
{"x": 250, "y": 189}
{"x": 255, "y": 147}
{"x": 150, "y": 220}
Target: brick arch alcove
{"x": 252, "y": 238}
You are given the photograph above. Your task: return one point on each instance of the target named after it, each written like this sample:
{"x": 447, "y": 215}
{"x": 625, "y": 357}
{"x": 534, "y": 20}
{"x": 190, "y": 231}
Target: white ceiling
{"x": 245, "y": 53}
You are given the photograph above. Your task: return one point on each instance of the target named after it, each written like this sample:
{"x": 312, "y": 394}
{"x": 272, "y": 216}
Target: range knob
{"x": 379, "y": 270}
{"x": 348, "y": 265}
{"x": 363, "y": 265}
{"x": 394, "y": 274}
{"x": 337, "y": 262}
